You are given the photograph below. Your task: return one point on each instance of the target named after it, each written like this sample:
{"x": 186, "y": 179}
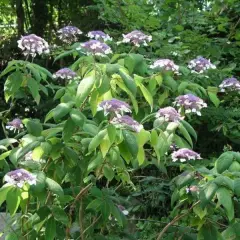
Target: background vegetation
{"x": 147, "y": 183}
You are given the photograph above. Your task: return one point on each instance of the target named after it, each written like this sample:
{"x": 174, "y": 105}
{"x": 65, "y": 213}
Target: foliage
{"x": 92, "y": 172}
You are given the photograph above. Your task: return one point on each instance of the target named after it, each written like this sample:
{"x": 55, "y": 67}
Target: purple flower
{"x": 185, "y": 154}
{"x": 193, "y": 188}
{"x": 19, "y": 177}
{"x": 190, "y": 103}
{"x": 99, "y": 35}
{"x": 168, "y": 114}
{"x": 230, "y": 84}
{"x": 15, "y": 125}
{"x": 137, "y": 38}
{"x": 96, "y": 47}
{"x": 32, "y": 44}
{"x": 127, "y": 122}
{"x": 65, "y": 73}
{"x": 69, "y": 34}
{"x": 200, "y": 64}
{"x": 165, "y": 64}
{"x": 114, "y": 106}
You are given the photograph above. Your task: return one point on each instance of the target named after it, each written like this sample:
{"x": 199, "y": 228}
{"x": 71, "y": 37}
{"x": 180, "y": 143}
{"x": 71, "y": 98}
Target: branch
{"x": 175, "y": 220}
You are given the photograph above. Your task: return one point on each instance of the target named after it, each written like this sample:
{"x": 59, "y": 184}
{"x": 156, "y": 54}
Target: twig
{"x": 175, "y": 220}
{"x": 91, "y": 225}
{"x": 81, "y": 225}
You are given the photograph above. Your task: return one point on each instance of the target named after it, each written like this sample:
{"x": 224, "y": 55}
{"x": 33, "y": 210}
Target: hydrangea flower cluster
{"x": 190, "y": 103}
{"x": 128, "y": 122}
{"x": 137, "y": 38}
{"x": 185, "y": 154}
{"x": 15, "y": 125}
{"x": 99, "y": 35}
{"x": 168, "y": 114}
{"x": 114, "y": 106}
{"x": 165, "y": 64}
{"x": 19, "y": 177}
{"x": 200, "y": 64}
{"x": 69, "y": 34}
{"x": 65, "y": 73}
{"x": 33, "y": 45}
{"x": 230, "y": 84}
{"x": 96, "y": 47}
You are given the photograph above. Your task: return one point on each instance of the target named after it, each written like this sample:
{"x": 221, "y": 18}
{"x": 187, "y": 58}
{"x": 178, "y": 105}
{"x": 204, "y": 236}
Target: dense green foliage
{"x": 96, "y": 179}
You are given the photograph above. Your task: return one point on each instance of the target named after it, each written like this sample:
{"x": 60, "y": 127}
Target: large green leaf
{"x": 84, "y": 89}
{"x": 60, "y": 215}
{"x": 129, "y": 82}
{"x": 68, "y": 129}
{"x": 225, "y": 199}
{"x": 50, "y": 231}
{"x": 13, "y": 200}
{"x": 62, "y": 110}
{"x": 97, "y": 140}
{"x": 131, "y": 142}
{"x": 54, "y": 187}
{"x": 34, "y": 127}
{"x": 224, "y": 161}
{"x": 33, "y": 86}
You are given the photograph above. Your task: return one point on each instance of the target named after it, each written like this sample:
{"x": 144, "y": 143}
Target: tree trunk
{"x": 20, "y": 17}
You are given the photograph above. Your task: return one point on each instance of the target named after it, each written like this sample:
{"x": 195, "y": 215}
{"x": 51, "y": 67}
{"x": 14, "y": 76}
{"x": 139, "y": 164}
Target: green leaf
{"x": 212, "y": 93}
{"x": 147, "y": 95}
{"x": 170, "y": 82}
{"x": 224, "y": 162}
{"x": 33, "y": 86}
{"x": 131, "y": 142}
{"x": 95, "y": 162}
{"x": 13, "y": 200}
{"x": 40, "y": 183}
{"x": 12, "y": 84}
{"x": 59, "y": 93}
{"x": 190, "y": 129}
{"x": 34, "y": 127}
{"x": 54, "y": 187}
{"x": 95, "y": 204}
{"x": 200, "y": 211}
{"x": 61, "y": 110}
{"x": 111, "y": 133}
{"x": 12, "y": 236}
{"x": 3, "y": 192}
{"x": 225, "y": 199}
{"x": 208, "y": 231}
{"x": 185, "y": 134}
{"x": 71, "y": 156}
{"x": 50, "y": 231}
{"x": 209, "y": 192}
{"x": 60, "y": 215}
{"x": 84, "y": 89}
{"x": 77, "y": 117}
{"x": 129, "y": 82}
{"x": 4, "y": 155}
{"x": 108, "y": 172}
{"x": 97, "y": 140}
{"x": 237, "y": 187}
{"x": 68, "y": 129}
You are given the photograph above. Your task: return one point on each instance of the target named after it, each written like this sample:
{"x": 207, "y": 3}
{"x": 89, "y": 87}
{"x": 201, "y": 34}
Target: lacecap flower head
{"x": 200, "y": 65}
{"x": 114, "y": 106}
{"x": 15, "y": 125}
{"x": 99, "y": 35}
{"x": 127, "y": 122}
{"x": 230, "y": 84}
{"x": 19, "y": 177}
{"x": 65, "y": 73}
{"x": 137, "y": 38}
{"x": 185, "y": 154}
{"x": 190, "y": 103}
{"x": 166, "y": 65}
{"x": 69, "y": 34}
{"x": 168, "y": 114}
{"x": 33, "y": 45}
{"x": 95, "y": 47}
